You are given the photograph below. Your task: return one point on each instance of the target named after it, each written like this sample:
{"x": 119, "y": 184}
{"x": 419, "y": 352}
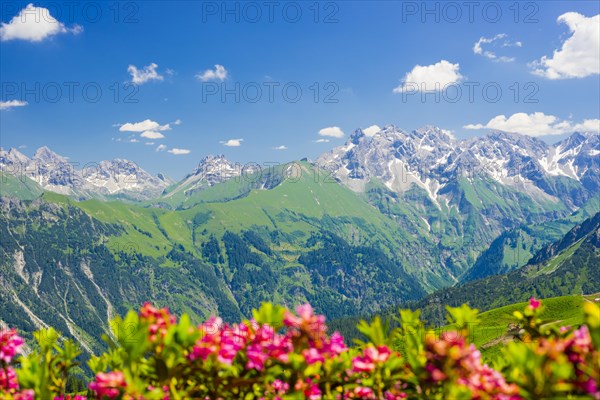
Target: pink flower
{"x": 158, "y": 320}
{"x": 364, "y": 392}
{"x": 379, "y": 354}
{"x": 590, "y": 386}
{"x": 312, "y": 356}
{"x": 108, "y": 384}
{"x": 436, "y": 374}
{"x": 534, "y": 304}
{"x": 26, "y": 395}
{"x": 336, "y": 344}
{"x": 256, "y": 357}
{"x": 312, "y": 392}
{"x": 280, "y": 348}
{"x": 8, "y": 379}
{"x": 362, "y": 364}
{"x": 10, "y": 344}
{"x": 305, "y": 314}
{"x": 392, "y": 396}
{"x": 582, "y": 338}
{"x": 231, "y": 344}
{"x": 305, "y": 311}
{"x": 372, "y": 356}
{"x": 280, "y": 387}
{"x": 307, "y": 322}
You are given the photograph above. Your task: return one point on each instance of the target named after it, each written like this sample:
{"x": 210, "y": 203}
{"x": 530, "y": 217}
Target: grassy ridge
{"x": 24, "y": 188}
{"x": 491, "y": 333}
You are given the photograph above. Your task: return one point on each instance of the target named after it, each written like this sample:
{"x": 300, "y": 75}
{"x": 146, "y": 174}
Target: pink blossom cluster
{"x": 577, "y": 347}
{"x": 534, "y": 303}
{"x": 372, "y": 358}
{"x": 10, "y": 345}
{"x": 108, "y": 384}
{"x": 260, "y": 343}
{"x": 224, "y": 343}
{"x": 453, "y": 359}
{"x": 296, "y": 358}
{"x": 159, "y": 320}
{"x": 306, "y": 322}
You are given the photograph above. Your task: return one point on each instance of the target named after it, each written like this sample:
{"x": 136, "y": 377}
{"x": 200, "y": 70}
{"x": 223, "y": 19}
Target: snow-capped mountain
{"x": 432, "y": 159}
{"x": 461, "y": 194}
{"x": 579, "y": 155}
{"x": 210, "y": 171}
{"x": 12, "y": 156}
{"x": 120, "y": 178}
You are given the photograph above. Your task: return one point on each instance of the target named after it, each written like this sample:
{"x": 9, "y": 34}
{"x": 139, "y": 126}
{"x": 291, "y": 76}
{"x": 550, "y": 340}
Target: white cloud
{"x": 149, "y": 143}
{"x": 588, "y": 125}
{"x": 371, "y": 130}
{"x": 536, "y": 124}
{"x": 34, "y": 24}
{"x": 146, "y": 125}
{"x": 152, "y": 135}
{"x": 430, "y": 77}
{"x": 332, "y": 131}
{"x": 219, "y": 74}
{"x": 282, "y": 147}
{"x": 579, "y": 55}
{"x": 161, "y": 147}
{"x": 7, "y": 105}
{"x": 177, "y": 122}
{"x": 134, "y": 140}
{"x": 147, "y": 73}
{"x": 321, "y": 141}
{"x": 478, "y": 47}
{"x": 232, "y": 142}
{"x": 179, "y": 152}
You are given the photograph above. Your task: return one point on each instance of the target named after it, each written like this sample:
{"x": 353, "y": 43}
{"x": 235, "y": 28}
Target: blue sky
{"x": 348, "y": 59}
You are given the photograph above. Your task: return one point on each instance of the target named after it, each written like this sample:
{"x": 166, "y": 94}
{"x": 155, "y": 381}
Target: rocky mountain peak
{"x": 53, "y": 172}
{"x": 356, "y": 136}
{"x": 432, "y": 158}
{"x": 45, "y": 155}
{"x": 13, "y": 156}
{"x": 215, "y": 164}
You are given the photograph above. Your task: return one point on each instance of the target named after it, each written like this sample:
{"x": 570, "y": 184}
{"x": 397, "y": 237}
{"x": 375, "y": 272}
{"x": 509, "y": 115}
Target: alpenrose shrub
{"x": 279, "y": 354}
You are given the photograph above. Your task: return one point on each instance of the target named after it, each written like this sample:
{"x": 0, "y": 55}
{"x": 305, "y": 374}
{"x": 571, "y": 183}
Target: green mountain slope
{"x": 573, "y": 271}
{"x": 498, "y": 326}
{"x": 304, "y": 240}
{"x": 19, "y": 187}
{"x": 226, "y": 248}
{"x": 477, "y": 213}
{"x": 285, "y": 215}
{"x": 514, "y": 248}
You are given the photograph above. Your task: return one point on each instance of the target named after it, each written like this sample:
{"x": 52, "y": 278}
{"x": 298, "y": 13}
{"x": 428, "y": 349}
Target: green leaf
{"x": 374, "y": 331}
{"x": 269, "y": 314}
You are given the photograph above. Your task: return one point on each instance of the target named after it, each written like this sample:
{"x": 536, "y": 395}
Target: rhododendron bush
{"x": 279, "y": 354}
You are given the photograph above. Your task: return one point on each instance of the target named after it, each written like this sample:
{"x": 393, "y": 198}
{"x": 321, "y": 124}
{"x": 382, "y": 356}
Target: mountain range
{"x": 432, "y": 159}
{"x": 429, "y": 158}
{"x": 105, "y": 179}
{"x": 386, "y": 218}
